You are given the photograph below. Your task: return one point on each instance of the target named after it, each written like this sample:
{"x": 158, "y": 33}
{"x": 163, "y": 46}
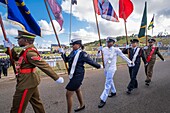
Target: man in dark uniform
{"x": 135, "y": 54}
{"x": 151, "y": 51}
{"x": 0, "y": 67}
{"x": 76, "y": 61}
{"x": 27, "y": 79}
{"x": 5, "y": 67}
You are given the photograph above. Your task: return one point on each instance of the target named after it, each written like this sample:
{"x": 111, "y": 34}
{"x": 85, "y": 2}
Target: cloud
{"x": 47, "y": 27}
{"x": 164, "y": 12}
{"x": 85, "y": 35}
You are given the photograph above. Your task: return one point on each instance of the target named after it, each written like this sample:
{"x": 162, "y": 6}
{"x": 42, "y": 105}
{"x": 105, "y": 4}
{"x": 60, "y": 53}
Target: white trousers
{"x": 109, "y": 85}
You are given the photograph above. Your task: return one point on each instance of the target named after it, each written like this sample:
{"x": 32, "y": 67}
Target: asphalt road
{"x": 152, "y": 99}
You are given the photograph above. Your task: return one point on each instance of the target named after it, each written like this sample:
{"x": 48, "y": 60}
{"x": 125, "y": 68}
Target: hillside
{"x": 121, "y": 41}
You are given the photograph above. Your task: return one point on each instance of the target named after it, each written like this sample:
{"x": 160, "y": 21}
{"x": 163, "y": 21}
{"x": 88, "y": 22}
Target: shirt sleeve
{"x": 123, "y": 56}
{"x": 125, "y": 51}
{"x": 159, "y": 54}
{"x": 89, "y": 61}
{"x": 142, "y": 54}
{"x": 34, "y": 59}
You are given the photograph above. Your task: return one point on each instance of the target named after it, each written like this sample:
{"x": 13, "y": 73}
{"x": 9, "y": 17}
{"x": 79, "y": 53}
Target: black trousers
{"x": 5, "y": 71}
{"x": 133, "y": 71}
{"x": 0, "y": 72}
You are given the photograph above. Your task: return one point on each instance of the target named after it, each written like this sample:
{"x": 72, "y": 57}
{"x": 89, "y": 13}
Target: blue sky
{"x": 83, "y": 21}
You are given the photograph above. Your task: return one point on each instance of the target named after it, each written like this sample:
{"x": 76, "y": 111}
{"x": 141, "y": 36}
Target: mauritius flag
{"x": 151, "y": 25}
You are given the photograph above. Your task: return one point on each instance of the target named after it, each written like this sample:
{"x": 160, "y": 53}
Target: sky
{"x": 84, "y": 24}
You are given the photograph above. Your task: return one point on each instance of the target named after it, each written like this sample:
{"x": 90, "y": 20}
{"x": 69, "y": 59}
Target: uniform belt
{"x": 28, "y": 70}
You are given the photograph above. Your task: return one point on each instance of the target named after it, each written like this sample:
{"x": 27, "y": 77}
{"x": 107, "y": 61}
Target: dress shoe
{"x": 147, "y": 83}
{"x": 128, "y": 92}
{"x": 79, "y": 109}
{"x": 102, "y": 103}
{"x": 112, "y": 94}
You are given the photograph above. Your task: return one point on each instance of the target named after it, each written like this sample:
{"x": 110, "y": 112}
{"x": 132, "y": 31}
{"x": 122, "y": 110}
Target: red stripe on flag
{"x": 96, "y": 7}
{"x": 22, "y": 101}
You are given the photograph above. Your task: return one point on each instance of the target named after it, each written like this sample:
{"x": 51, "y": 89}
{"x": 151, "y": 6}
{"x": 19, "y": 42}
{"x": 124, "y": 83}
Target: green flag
{"x": 144, "y": 23}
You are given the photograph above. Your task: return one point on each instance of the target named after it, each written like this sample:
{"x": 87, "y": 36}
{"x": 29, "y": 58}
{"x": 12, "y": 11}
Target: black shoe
{"x": 79, "y": 109}
{"x": 147, "y": 83}
{"x": 112, "y": 94}
{"x": 128, "y": 92}
{"x": 102, "y": 103}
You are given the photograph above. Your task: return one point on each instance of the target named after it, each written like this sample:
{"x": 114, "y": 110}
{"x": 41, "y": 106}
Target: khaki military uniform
{"x": 28, "y": 80}
{"x": 149, "y": 67}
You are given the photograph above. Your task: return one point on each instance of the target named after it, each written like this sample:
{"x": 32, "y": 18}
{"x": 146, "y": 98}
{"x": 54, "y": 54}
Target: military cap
{"x": 111, "y": 39}
{"x": 151, "y": 40}
{"x": 134, "y": 41}
{"x": 23, "y": 34}
{"x": 76, "y": 41}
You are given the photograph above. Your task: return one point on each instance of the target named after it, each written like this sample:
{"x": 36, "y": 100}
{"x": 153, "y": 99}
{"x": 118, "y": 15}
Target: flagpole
{"x": 153, "y": 23}
{"x": 8, "y": 49}
{"x": 146, "y": 37}
{"x": 70, "y": 22}
{"x": 146, "y": 25}
{"x": 98, "y": 32}
{"x": 127, "y": 43}
{"x": 54, "y": 30}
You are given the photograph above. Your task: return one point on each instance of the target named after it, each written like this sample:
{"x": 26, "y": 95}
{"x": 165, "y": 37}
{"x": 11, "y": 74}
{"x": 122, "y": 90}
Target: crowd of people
{"x": 4, "y": 65}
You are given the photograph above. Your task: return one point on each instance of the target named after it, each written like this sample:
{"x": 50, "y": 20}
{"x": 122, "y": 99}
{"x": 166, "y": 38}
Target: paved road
{"x": 153, "y": 99}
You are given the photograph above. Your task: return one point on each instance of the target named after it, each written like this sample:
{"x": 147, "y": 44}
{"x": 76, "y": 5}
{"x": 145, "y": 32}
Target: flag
{"x": 144, "y": 23}
{"x": 74, "y": 2}
{"x": 20, "y": 14}
{"x": 57, "y": 11}
{"x": 105, "y": 9}
{"x": 151, "y": 25}
{"x": 3, "y": 1}
{"x": 125, "y": 8}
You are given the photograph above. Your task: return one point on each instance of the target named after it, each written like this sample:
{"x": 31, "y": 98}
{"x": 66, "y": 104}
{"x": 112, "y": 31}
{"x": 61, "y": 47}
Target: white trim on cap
{"x": 111, "y": 38}
{"x": 74, "y": 40}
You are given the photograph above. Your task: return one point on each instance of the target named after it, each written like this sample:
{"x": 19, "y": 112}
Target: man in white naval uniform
{"x": 110, "y": 58}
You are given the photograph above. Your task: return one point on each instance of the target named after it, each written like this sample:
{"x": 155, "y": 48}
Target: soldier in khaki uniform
{"x": 151, "y": 51}
{"x": 27, "y": 79}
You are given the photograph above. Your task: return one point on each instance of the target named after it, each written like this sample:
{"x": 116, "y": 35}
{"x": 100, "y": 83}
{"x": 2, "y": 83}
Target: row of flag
{"x": 20, "y": 14}
{"x": 105, "y": 9}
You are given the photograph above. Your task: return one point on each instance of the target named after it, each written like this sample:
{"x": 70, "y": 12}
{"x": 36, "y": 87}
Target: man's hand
{"x": 127, "y": 46}
{"x": 101, "y": 66}
{"x": 60, "y": 80}
{"x": 100, "y": 48}
{"x": 61, "y": 51}
{"x": 146, "y": 64}
{"x": 8, "y": 44}
{"x": 131, "y": 64}
{"x": 146, "y": 47}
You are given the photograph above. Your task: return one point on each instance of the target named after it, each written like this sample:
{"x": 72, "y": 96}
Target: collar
{"x": 135, "y": 47}
{"x": 28, "y": 46}
{"x": 75, "y": 51}
{"x": 110, "y": 48}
